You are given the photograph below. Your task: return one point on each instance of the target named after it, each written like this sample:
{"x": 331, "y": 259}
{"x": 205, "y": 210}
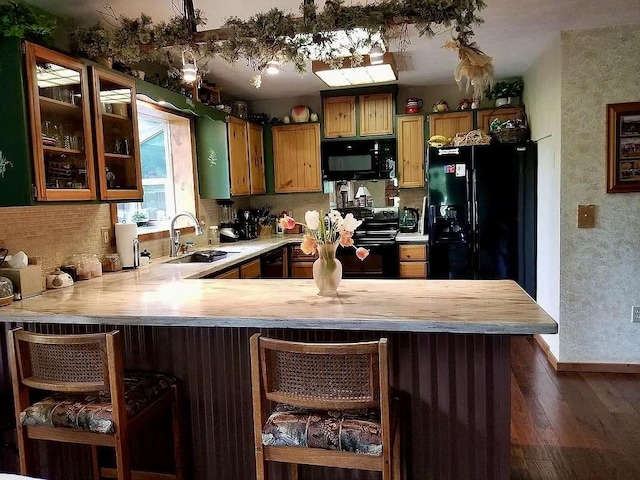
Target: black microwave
{"x": 358, "y": 159}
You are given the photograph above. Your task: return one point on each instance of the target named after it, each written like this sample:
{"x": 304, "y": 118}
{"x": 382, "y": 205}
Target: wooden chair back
{"x": 65, "y": 363}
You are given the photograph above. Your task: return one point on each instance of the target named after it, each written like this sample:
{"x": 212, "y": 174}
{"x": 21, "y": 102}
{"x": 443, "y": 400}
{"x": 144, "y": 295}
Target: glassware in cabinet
{"x": 117, "y": 144}
{"x": 60, "y": 125}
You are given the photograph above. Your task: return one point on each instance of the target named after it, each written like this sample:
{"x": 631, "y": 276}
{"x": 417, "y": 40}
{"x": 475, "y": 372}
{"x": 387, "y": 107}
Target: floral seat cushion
{"x": 358, "y": 432}
{"x": 93, "y": 411}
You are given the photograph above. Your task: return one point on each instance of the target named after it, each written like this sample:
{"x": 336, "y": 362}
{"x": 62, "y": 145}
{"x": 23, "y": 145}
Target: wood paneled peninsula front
{"x": 450, "y": 354}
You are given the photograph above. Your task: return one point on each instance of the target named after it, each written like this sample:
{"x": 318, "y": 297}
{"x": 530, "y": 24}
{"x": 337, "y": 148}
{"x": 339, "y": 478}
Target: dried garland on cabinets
{"x": 287, "y": 38}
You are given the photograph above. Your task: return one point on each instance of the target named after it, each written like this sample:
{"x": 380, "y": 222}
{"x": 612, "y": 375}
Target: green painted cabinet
{"x": 16, "y": 173}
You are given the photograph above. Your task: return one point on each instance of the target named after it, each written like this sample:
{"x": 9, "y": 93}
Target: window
{"x": 167, "y": 170}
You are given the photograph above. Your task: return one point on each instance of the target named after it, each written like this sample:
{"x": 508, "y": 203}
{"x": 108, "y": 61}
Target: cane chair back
{"x": 322, "y": 377}
{"x": 63, "y": 364}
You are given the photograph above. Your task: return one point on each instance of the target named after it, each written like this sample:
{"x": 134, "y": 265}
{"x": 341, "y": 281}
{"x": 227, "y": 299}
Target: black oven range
{"x": 378, "y": 235}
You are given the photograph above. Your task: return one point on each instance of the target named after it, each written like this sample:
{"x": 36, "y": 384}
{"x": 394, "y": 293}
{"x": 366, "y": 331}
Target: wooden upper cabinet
{"x": 256, "y": 159}
{"x": 61, "y": 135}
{"x": 485, "y": 117}
{"x": 117, "y": 143}
{"x": 411, "y": 151}
{"x": 376, "y": 114}
{"x": 238, "y": 156}
{"x": 296, "y": 158}
{"x": 448, "y": 124}
{"x": 339, "y": 114}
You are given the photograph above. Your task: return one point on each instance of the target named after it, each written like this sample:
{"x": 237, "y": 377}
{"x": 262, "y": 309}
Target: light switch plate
{"x": 105, "y": 233}
{"x": 586, "y": 216}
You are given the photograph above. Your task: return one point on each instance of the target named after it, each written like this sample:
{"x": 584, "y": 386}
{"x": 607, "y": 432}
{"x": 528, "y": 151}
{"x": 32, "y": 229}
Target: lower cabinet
{"x": 413, "y": 261}
{"x": 250, "y": 269}
{"x": 301, "y": 263}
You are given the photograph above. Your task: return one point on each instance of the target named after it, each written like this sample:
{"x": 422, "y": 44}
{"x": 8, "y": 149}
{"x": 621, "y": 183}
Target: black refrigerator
{"x": 482, "y": 213}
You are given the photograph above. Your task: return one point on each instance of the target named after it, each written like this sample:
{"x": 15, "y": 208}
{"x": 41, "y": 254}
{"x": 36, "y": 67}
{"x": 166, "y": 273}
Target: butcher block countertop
{"x": 166, "y": 294}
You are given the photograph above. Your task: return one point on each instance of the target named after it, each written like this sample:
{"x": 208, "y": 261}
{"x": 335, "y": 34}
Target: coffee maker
{"x": 247, "y": 224}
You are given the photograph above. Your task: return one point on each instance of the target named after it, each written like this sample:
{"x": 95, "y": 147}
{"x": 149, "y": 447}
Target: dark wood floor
{"x": 571, "y": 425}
{"x": 564, "y": 426}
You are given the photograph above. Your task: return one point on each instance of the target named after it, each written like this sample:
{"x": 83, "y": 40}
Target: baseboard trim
{"x": 584, "y": 367}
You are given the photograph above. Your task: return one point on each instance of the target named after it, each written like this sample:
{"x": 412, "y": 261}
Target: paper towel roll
{"x": 126, "y": 247}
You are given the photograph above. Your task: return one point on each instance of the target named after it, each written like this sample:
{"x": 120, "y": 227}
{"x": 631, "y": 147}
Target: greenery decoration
{"x": 23, "y": 21}
{"x": 281, "y": 36}
{"x": 506, "y": 89}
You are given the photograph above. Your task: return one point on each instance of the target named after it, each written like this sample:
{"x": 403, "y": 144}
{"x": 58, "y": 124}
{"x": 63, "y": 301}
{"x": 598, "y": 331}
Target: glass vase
{"x": 327, "y": 270}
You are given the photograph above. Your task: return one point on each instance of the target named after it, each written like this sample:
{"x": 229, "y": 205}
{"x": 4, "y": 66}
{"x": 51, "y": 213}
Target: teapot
{"x": 59, "y": 279}
{"x": 413, "y": 105}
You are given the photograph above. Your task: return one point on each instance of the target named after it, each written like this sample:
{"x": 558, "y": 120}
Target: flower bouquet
{"x": 323, "y": 234}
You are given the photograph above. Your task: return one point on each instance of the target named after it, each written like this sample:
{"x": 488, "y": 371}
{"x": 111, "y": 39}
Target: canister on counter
{"x": 111, "y": 263}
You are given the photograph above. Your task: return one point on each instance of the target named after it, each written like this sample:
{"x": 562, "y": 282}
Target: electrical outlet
{"x": 105, "y": 232}
{"x": 635, "y": 314}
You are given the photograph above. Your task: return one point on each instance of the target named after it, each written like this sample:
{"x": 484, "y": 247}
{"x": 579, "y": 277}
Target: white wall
{"x": 600, "y": 267}
{"x": 542, "y": 100}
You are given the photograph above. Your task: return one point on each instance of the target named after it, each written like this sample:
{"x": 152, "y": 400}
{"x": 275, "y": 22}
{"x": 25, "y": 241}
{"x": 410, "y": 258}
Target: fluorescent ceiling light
{"x": 365, "y": 73}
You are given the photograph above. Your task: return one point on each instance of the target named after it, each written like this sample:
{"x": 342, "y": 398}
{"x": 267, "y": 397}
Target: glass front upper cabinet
{"x": 60, "y": 126}
{"x": 117, "y": 144}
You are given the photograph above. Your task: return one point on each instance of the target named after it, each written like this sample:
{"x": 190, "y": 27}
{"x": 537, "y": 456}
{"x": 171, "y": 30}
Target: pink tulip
{"x": 346, "y": 240}
{"x": 308, "y": 245}
{"x": 287, "y": 223}
{"x": 362, "y": 253}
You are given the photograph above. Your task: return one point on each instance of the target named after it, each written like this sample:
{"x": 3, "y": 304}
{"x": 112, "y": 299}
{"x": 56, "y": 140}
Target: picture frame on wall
{"x": 623, "y": 147}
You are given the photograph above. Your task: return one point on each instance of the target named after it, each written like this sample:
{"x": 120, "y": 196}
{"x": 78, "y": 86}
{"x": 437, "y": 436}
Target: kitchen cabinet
{"x": 339, "y": 115}
{"x": 301, "y": 264}
{"x": 233, "y": 273}
{"x": 376, "y": 114}
{"x": 116, "y": 135}
{"x": 450, "y": 123}
{"x": 246, "y": 157}
{"x": 413, "y": 261}
{"x": 46, "y": 143}
{"x": 250, "y": 269}
{"x": 485, "y": 117}
{"x": 256, "y": 159}
{"x": 296, "y": 158}
{"x": 69, "y": 131}
{"x": 238, "y": 156}
{"x": 411, "y": 153}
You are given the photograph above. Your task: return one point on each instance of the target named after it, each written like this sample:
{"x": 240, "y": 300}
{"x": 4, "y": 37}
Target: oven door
{"x": 382, "y": 261}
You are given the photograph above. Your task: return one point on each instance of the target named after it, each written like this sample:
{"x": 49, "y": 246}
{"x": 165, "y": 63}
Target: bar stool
{"x": 333, "y": 406}
{"x": 93, "y": 400}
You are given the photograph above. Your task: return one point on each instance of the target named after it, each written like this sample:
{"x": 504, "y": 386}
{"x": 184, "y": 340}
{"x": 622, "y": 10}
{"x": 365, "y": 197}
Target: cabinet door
{"x": 485, "y": 117}
{"x": 301, "y": 269}
{"x": 238, "y": 157}
{"x": 448, "y": 124}
{"x": 256, "y": 160}
{"x": 296, "y": 158}
{"x": 61, "y": 135}
{"x": 376, "y": 114}
{"x": 410, "y": 151}
{"x": 339, "y": 117}
{"x": 117, "y": 144}
{"x": 233, "y": 273}
{"x": 250, "y": 269}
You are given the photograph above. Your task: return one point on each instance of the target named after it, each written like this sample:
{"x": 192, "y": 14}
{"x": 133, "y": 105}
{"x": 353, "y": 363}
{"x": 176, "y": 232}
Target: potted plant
{"x": 506, "y": 93}
{"x": 140, "y": 217}
{"x": 23, "y": 21}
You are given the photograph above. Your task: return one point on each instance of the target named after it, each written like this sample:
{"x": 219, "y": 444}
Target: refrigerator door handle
{"x": 432, "y": 224}
{"x": 475, "y": 202}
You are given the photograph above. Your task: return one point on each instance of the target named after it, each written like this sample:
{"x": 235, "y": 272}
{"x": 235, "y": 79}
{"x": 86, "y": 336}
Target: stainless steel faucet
{"x": 174, "y": 235}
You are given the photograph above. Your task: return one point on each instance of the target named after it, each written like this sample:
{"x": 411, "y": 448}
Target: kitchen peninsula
{"x": 450, "y": 352}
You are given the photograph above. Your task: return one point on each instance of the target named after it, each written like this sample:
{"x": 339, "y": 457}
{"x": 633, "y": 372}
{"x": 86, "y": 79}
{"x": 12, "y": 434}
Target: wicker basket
{"x": 513, "y": 134}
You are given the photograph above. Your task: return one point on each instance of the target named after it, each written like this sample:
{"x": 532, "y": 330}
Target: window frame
{"x": 185, "y": 230}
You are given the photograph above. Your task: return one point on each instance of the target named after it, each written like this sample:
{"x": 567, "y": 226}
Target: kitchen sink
{"x": 205, "y": 256}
